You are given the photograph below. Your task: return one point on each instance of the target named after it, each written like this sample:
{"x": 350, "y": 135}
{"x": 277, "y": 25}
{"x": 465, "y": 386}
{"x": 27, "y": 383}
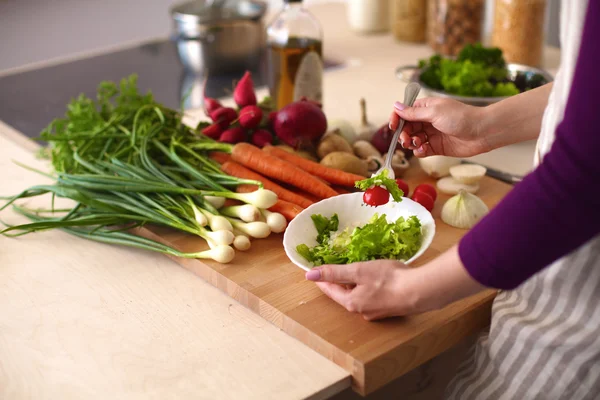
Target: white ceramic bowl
{"x": 350, "y": 211}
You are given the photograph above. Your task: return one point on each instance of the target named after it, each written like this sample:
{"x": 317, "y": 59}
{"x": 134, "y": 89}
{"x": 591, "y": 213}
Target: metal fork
{"x": 410, "y": 95}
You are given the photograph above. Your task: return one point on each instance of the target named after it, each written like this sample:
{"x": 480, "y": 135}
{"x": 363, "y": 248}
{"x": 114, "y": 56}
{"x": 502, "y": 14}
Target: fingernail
{"x": 402, "y": 144}
{"x": 419, "y": 150}
{"x": 313, "y": 275}
{"x": 390, "y": 126}
{"x": 414, "y": 143}
{"x": 399, "y": 106}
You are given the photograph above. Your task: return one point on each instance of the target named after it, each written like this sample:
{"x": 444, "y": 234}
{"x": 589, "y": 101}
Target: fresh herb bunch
{"x": 112, "y": 126}
{"x": 477, "y": 71}
{"x": 125, "y": 161}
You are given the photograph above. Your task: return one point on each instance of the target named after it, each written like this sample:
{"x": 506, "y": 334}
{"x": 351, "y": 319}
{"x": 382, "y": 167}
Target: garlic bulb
{"x": 438, "y": 166}
{"x": 344, "y": 128}
{"x": 463, "y": 210}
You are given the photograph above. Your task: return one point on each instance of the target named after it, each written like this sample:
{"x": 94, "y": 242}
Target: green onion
{"x": 128, "y": 161}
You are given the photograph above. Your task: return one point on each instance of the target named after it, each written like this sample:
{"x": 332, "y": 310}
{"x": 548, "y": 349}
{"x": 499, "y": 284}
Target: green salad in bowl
{"x": 377, "y": 239}
{"x": 343, "y": 230}
{"x": 478, "y": 75}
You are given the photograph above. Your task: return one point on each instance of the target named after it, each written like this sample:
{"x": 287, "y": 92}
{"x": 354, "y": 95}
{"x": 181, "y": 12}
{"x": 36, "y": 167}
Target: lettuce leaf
{"x": 377, "y": 239}
{"x": 382, "y": 179}
{"x": 324, "y": 226}
{"x": 476, "y": 71}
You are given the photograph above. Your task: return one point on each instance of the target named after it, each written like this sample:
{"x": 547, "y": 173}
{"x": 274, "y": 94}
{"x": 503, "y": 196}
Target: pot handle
{"x": 401, "y": 71}
{"x": 207, "y": 37}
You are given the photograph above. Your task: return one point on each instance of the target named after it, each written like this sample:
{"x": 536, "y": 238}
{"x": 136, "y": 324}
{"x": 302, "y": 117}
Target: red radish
{"x": 403, "y": 186}
{"x": 212, "y": 131}
{"x": 211, "y": 105}
{"x": 271, "y": 119}
{"x": 424, "y": 199}
{"x": 299, "y": 122}
{"x": 250, "y": 117}
{"x": 376, "y": 196}
{"x": 426, "y": 188}
{"x": 233, "y": 135}
{"x": 224, "y": 116}
{"x": 243, "y": 94}
{"x": 261, "y": 138}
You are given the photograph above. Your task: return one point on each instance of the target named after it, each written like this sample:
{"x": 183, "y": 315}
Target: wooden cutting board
{"x": 375, "y": 353}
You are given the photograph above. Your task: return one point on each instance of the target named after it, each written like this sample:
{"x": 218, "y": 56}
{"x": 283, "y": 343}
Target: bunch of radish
{"x": 295, "y": 124}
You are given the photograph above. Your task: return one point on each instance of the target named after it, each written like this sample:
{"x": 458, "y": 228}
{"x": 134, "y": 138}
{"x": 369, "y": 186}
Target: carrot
{"x": 229, "y": 202}
{"x": 239, "y": 171}
{"x": 288, "y": 210}
{"x": 273, "y": 167}
{"x": 309, "y": 196}
{"x": 331, "y": 175}
{"x": 341, "y": 190}
{"x": 220, "y": 157}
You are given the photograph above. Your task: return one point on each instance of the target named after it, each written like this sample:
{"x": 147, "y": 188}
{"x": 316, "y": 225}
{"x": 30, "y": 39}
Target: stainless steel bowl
{"x": 221, "y": 36}
{"x": 515, "y": 72}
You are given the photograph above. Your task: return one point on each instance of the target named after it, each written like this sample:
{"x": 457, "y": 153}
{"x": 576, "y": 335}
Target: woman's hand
{"x": 447, "y": 127}
{"x": 379, "y": 289}
{"x": 438, "y": 126}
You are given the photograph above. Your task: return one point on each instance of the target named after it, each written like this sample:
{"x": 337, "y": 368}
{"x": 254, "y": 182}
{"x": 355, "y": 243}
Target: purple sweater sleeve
{"x": 556, "y": 208}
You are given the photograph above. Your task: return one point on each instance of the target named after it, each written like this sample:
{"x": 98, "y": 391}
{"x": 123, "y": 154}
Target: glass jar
{"x": 451, "y": 24}
{"x": 409, "y": 20}
{"x": 369, "y": 16}
{"x": 519, "y": 30}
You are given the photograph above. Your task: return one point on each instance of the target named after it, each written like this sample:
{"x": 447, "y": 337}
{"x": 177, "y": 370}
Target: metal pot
{"x": 219, "y": 36}
{"x": 517, "y": 73}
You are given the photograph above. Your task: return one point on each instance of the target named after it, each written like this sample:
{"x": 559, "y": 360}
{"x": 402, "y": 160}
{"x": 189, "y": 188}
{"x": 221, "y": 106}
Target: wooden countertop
{"x": 82, "y": 319}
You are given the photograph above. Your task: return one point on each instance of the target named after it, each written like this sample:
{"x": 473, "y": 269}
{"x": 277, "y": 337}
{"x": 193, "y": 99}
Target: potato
{"x": 333, "y": 142}
{"x": 286, "y": 148}
{"x": 346, "y": 162}
{"x": 307, "y": 155}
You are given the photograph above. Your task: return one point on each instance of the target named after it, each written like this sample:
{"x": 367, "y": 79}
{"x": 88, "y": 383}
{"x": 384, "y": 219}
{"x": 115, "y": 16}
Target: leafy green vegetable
{"x": 126, "y": 161}
{"x": 382, "y": 180}
{"x": 376, "y": 240}
{"x": 477, "y": 71}
{"x": 476, "y": 53}
{"x": 325, "y": 226}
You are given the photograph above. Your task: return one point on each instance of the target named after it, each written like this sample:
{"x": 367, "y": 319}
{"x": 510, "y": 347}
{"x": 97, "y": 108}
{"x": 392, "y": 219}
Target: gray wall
{"x": 37, "y": 30}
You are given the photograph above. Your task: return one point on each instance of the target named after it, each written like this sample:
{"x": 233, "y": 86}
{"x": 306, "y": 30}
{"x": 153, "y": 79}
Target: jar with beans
{"x": 519, "y": 30}
{"x": 451, "y": 24}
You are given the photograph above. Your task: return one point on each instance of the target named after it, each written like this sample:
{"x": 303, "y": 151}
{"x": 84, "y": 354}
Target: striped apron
{"x": 544, "y": 338}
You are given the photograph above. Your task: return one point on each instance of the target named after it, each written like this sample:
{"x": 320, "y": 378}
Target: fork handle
{"x": 410, "y": 95}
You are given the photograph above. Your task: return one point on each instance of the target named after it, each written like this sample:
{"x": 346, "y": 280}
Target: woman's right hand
{"x": 438, "y": 126}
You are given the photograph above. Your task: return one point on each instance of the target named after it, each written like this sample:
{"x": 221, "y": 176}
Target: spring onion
{"x": 126, "y": 161}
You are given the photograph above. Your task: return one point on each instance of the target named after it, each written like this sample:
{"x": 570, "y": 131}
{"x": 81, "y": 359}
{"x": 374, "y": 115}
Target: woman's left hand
{"x": 379, "y": 289}
{"x": 386, "y": 288}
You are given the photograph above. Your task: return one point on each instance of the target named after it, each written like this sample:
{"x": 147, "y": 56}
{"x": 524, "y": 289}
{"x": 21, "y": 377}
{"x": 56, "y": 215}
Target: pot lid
{"x": 202, "y": 11}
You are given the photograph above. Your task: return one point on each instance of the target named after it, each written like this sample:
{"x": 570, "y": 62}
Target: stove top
{"x": 30, "y": 100}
